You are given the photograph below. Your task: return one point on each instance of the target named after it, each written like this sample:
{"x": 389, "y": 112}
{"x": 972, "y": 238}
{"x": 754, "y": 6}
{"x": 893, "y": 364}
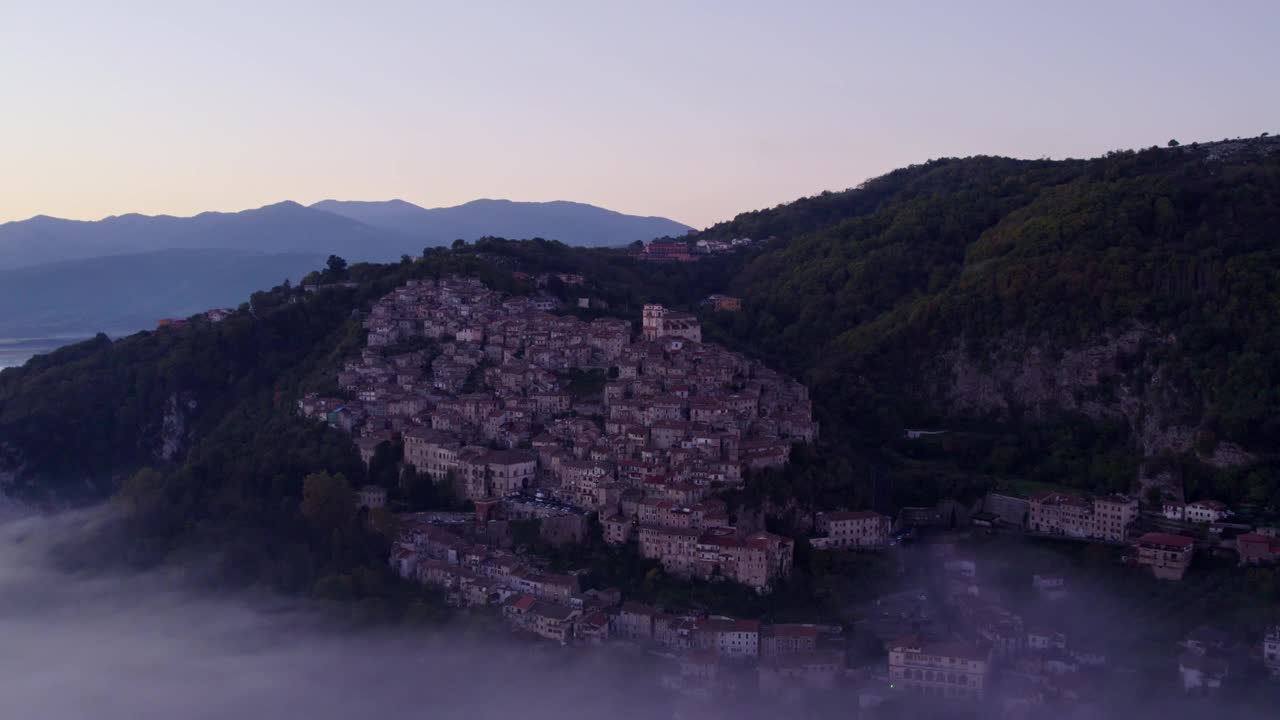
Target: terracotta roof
{"x": 522, "y": 602}
{"x": 551, "y": 610}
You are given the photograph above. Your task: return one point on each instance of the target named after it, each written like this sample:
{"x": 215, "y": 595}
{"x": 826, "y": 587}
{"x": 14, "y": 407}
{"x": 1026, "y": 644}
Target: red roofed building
{"x": 1257, "y": 549}
{"x": 728, "y": 638}
{"x": 593, "y": 629}
{"x": 549, "y": 620}
{"x": 667, "y": 250}
{"x": 1167, "y": 555}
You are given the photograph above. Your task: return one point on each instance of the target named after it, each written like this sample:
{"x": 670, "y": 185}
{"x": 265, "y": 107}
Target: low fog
{"x": 135, "y": 647}
{"x": 129, "y": 647}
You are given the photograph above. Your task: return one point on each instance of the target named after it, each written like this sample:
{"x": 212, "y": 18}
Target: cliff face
{"x": 174, "y": 433}
{"x": 1125, "y": 374}
{"x": 161, "y": 439}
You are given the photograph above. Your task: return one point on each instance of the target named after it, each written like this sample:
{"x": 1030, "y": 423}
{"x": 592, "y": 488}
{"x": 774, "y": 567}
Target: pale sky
{"x": 695, "y": 110}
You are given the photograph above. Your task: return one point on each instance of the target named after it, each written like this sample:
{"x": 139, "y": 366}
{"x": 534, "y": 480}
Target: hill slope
{"x": 569, "y": 222}
{"x": 1137, "y": 291}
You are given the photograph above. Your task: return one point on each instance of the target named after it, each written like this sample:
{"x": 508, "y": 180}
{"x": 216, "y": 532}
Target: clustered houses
{"x": 757, "y": 559}
{"x": 1101, "y": 518}
{"x": 460, "y": 554}
{"x": 1206, "y": 660}
{"x": 861, "y": 528}
{"x": 807, "y": 657}
{"x": 716, "y": 247}
{"x": 988, "y": 652}
{"x": 491, "y": 414}
{"x": 1210, "y": 655}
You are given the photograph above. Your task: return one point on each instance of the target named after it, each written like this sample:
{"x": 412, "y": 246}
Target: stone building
{"x": 949, "y": 670}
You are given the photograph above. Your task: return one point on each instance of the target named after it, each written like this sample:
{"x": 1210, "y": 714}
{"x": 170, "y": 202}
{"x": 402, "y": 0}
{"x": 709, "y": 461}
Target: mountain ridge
{"x": 326, "y": 227}
{"x": 573, "y": 223}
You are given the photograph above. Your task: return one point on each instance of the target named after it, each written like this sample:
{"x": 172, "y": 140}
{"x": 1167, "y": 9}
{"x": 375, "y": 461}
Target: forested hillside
{"x": 1135, "y": 293}
{"x": 1081, "y": 323}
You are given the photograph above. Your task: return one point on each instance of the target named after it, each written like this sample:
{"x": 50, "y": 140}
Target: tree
{"x": 459, "y": 244}
{"x": 384, "y": 466}
{"x": 1153, "y": 496}
{"x": 337, "y": 268}
{"x": 384, "y": 522}
{"x": 338, "y": 588}
{"x": 526, "y": 532}
{"x": 327, "y": 500}
{"x": 1173, "y": 143}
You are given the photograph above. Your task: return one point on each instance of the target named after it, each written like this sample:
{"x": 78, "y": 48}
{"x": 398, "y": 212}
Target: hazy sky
{"x": 693, "y": 110}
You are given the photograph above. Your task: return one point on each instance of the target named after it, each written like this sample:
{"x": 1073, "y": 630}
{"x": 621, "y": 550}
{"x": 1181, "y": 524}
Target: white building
{"x": 1207, "y": 511}
{"x": 943, "y": 670}
{"x": 1271, "y": 651}
{"x": 373, "y": 497}
{"x": 859, "y": 528}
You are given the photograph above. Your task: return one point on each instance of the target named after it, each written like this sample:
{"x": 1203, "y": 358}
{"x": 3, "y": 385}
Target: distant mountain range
{"x": 371, "y": 231}
{"x": 569, "y": 222}
{"x": 127, "y": 271}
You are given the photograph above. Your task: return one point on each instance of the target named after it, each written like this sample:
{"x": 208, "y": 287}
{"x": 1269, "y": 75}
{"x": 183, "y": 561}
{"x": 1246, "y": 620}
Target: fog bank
{"x": 136, "y": 647}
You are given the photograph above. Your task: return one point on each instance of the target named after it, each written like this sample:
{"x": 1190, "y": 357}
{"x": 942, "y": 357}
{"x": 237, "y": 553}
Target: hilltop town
{"x": 572, "y": 431}
{"x": 491, "y": 413}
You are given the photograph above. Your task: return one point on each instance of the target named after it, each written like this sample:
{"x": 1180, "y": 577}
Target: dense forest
{"x": 904, "y": 289}
{"x": 892, "y": 301}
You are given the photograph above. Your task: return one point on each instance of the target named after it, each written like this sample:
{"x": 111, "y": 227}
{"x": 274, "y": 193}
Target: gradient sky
{"x": 693, "y": 110}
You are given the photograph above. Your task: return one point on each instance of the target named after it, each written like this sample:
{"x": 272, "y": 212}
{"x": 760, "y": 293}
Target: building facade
{"x": 1167, "y": 555}
{"x": 1206, "y": 511}
{"x": 942, "y": 670}
{"x": 659, "y": 322}
{"x": 1271, "y": 651}
{"x": 862, "y": 528}
{"x": 1102, "y": 518}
